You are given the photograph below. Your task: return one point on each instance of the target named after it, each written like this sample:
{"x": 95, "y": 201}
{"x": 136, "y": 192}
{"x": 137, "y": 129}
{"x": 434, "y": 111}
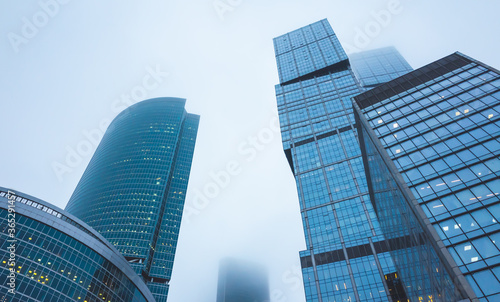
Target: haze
{"x": 68, "y": 77}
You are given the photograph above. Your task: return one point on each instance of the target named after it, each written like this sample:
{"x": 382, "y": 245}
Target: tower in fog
{"x": 242, "y": 281}
{"x": 348, "y": 255}
{"x": 134, "y": 187}
{"x": 378, "y": 66}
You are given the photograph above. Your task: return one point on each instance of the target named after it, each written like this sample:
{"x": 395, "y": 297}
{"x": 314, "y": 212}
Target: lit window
{"x": 457, "y": 113}
{"x": 490, "y": 116}
{"x": 395, "y": 125}
{"x": 380, "y": 121}
{"x": 467, "y": 247}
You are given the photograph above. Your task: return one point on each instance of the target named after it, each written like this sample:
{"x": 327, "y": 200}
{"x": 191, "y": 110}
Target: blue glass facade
{"x": 347, "y": 256}
{"x": 57, "y": 257}
{"x": 133, "y": 189}
{"x": 307, "y": 50}
{"x": 425, "y": 267}
{"x": 242, "y": 281}
{"x": 440, "y": 125}
{"x": 378, "y": 66}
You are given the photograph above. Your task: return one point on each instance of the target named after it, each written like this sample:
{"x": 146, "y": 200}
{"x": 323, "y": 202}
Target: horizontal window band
{"x": 324, "y": 135}
{"x": 364, "y": 250}
{"x": 340, "y": 66}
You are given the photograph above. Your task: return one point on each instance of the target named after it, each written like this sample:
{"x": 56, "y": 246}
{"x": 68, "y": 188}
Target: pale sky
{"x": 64, "y": 71}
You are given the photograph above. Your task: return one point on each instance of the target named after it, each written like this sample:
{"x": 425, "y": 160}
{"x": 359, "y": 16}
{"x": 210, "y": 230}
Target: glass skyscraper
{"x": 134, "y": 187}
{"x": 437, "y": 130}
{"x": 57, "y": 257}
{"x": 377, "y": 66}
{"x": 242, "y": 281}
{"x": 348, "y": 257}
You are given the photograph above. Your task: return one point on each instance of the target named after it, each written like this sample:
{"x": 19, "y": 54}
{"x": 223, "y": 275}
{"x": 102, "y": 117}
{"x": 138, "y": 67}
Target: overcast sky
{"x": 64, "y": 72}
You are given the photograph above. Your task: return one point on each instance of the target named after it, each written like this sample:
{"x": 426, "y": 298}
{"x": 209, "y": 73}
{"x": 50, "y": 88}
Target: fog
{"x": 65, "y": 75}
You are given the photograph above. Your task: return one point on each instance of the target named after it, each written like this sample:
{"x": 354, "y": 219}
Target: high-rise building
{"x": 377, "y": 66}
{"x": 54, "y": 256}
{"x": 432, "y": 141}
{"x": 242, "y": 281}
{"x": 134, "y": 187}
{"x": 348, "y": 256}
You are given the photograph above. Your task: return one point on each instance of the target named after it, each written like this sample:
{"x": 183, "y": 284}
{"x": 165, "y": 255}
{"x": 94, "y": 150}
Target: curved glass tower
{"x": 54, "y": 256}
{"x": 133, "y": 189}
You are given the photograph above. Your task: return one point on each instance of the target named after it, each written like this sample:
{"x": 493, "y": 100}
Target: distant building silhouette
{"x": 378, "y": 66}
{"x": 242, "y": 281}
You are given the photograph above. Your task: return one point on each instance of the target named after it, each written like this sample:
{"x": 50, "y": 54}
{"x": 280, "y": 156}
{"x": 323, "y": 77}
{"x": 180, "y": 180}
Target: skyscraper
{"x": 242, "y": 281}
{"x": 377, "y": 66}
{"x": 348, "y": 257}
{"x": 54, "y": 256}
{"x": 436, "y": 133}
{"x": 134, "y": 187}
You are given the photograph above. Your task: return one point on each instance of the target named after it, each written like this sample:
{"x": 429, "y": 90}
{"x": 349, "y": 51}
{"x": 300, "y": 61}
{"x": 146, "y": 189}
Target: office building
{"x": 242, "y": 281}
{"x": 57, "y": 257}
{"x": 378, "y": 66}
{"x": 134, "y": 187}
{"x": 432, "y": 141}
{"x": 348, "y": 256}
